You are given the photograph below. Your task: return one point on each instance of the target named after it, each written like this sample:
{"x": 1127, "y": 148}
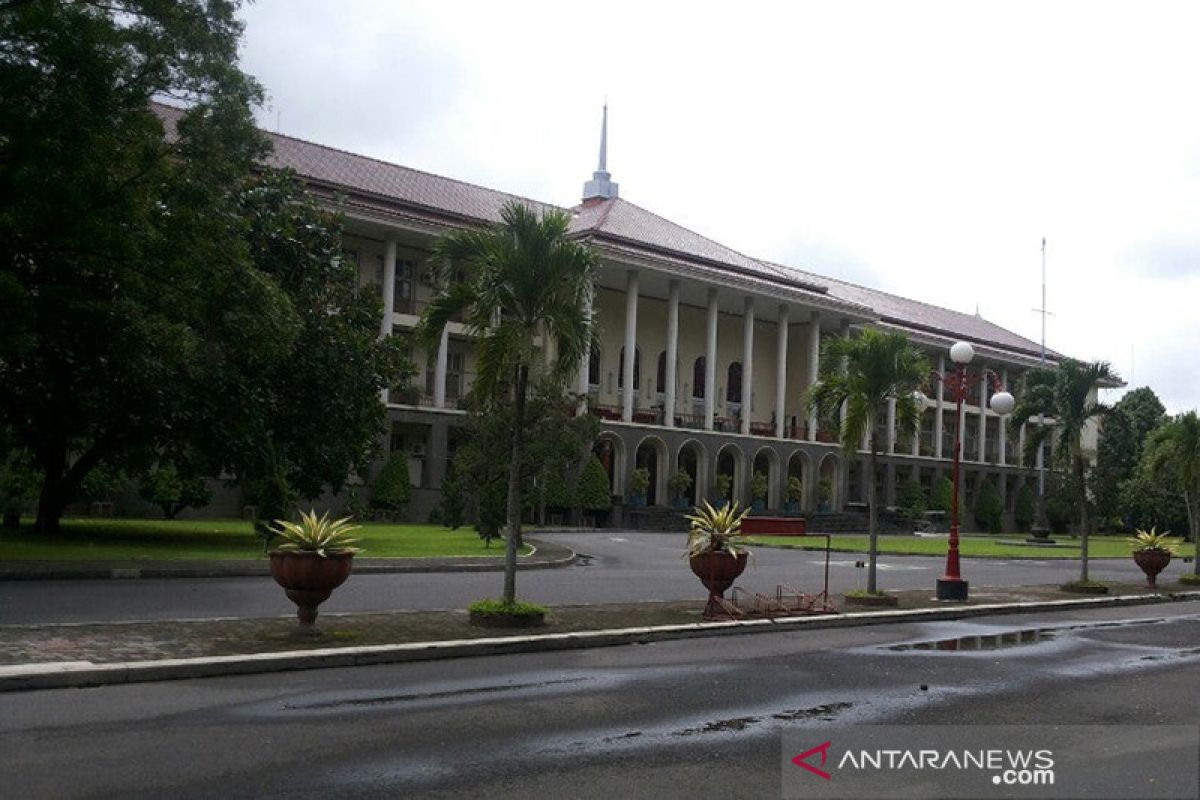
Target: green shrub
{"x": 724, "y": 485}
{"x": 558, "y": 491}
{"x": 1060, "y": 512}
{"x": 680, "y": 482}
{"x": 516, "y": 608}
{"x": 759, "y": 486}
{"x": 172, "y": 492}
{"x": 493, "y": 510}
{"x": 989, "y": 510}
{"x": 910, "y": 499}
{"x": 593, "y": 487}
{"x": 392, "y": 489}
{"x": 1025, "y": 509}
{"x": 795, "y": 490}
{"x": 943, "y": 492}
{"x": 639, "y": 481}
{"x": 452, "y": 498}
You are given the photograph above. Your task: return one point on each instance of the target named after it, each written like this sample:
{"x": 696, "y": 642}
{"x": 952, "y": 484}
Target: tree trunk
{"x": 1085, "y": 517}
{"x": 872, "y": 522}
{"x": 1191, "y": 501}
{"x": 516, "y": 453}
{"x": 60, "y": 482}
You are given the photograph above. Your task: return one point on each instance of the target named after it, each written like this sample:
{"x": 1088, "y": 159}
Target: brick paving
{"x": 147, "y": 641}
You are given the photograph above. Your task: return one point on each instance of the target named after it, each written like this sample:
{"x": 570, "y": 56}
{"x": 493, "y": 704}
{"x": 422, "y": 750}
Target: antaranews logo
{"x": 802, "y": 760}
{"x": 1008, "y": 767}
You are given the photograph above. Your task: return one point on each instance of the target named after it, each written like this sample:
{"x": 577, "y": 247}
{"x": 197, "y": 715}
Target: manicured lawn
{"x": 982, "y": 546}
{"x": 150, "y": 539}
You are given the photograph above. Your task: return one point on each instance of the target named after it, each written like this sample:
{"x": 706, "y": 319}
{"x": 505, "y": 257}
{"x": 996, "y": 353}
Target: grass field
{"x": 981, "y": 546}
{"x": 182, "y": 540}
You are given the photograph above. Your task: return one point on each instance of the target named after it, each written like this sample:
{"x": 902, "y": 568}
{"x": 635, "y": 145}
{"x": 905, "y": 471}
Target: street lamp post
{"x": 951, "y": 586}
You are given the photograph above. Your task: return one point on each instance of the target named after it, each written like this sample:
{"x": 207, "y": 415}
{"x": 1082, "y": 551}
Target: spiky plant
{"x": 866, "y": 374}
{"x": 518, "y": 280}
{"x": 1067, "y": 395}
{"x": 1153, "y": 541}
{"x": 323, "y": 536}
{"x": 716, "y": 530}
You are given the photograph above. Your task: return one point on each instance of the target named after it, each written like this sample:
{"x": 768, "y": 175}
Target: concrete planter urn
{"x": 718, "y": 571}
{"x": 1152, "y": 562}
{"x": 309, "y": 579}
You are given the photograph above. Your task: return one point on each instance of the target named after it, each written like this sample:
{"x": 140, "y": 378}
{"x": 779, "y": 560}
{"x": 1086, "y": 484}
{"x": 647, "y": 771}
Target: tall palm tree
{"x": 865, "y": 373}
{"x": 522, "y": 278}
{"x": 1174, "y": 449}
{"x": 1066, "y": 394}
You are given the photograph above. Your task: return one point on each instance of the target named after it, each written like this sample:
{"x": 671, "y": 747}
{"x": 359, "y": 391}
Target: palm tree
{"x": 1173, "y": 449}
{"x": 1066, "y": 395}
{"x": 866, "y": 373}
{"x": 521, "y": 278}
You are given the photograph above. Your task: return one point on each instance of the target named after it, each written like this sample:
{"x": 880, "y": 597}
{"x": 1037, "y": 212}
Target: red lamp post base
{"x": 952, "y": 590}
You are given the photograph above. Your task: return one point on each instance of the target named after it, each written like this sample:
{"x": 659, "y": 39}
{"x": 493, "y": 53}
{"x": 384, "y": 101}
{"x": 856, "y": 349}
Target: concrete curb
{"x": 60, "y": 675}
{"x": 559, "y": 556}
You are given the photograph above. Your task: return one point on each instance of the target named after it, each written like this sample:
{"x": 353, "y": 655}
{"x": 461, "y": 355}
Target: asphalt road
{"x": 616, "y": 567}
{"x": 689, "y": 719}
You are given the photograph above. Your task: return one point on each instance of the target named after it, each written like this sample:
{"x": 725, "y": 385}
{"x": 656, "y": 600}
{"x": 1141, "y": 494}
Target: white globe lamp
{"x": 962, "y": 353}
{"x": 1003, "y": 403}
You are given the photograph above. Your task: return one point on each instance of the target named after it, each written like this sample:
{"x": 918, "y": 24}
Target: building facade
{"x": 705, "y": 356}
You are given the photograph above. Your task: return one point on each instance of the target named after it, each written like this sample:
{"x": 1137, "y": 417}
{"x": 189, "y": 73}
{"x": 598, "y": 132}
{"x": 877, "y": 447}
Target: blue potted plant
{"x": 680, "y": 482}
{"x": 795, "y": 494}
{"x": 758, "y": 492}
{"x": 639, "y": 482}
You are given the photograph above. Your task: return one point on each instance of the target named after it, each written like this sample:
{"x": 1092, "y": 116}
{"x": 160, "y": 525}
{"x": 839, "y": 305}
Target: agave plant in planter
{"x": 314, "y": 558}
{"x": 716, "y": 550}
{"x": 1152, "y": 552}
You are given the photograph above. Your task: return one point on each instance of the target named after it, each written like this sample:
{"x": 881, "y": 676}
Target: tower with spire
{"x": 601, "y": 186}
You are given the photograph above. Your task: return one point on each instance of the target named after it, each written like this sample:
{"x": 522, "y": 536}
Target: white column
{"x": 891, "y": 425}
{"x": 842, "y": 411}
{"x": 439, "y": 370}
{"x": 983, "y": 405}
{"x": 672, "y": 353}
{"x": 915, "y": 448}
{"x": 581, "y": 386}
{"x": 814, "y": 367}
{"x": 747, "y": 362}
{"x": 710, "y": 361}
{"x": 1003, "y": 429}
{"x": 389, "y": 297}
{"x": 1021, "y": 446}
{"x": 631, "y": 307}
{"x": 781, "y": 372}
{"x": 938, "y": 410}
{"x": 389, "y": 286}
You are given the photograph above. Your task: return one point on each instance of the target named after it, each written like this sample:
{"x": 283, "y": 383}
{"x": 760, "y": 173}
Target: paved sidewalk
{"x": 545, "y": 555}
{"x": 106, "y": 643}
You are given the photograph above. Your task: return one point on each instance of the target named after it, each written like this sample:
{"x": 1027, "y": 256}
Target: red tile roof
{"x": 618, "y": 222}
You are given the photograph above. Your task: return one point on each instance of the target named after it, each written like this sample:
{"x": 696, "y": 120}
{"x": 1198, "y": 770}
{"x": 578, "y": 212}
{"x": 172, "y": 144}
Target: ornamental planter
{"x": 718, "y": 571}
{"x": 1152, "y": 562}
{"x": 308, "y": 579}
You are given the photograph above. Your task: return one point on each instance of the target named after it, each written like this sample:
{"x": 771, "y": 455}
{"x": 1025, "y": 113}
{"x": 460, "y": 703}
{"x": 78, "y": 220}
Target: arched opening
{"x": 797, "y": 469}
{"x": 733, "y": 384}
{"x": 692, "y": 460}
{"x": 828, "y": 488}
{"x": 637, "y": 369}
{"x": 766, "y": 464}
{"x": 699, "y": 375}
{"x": 729, "y": 475}
{"x": 611, "y": 451}
{"x": 594, "y": 369}
{"x": 651, "y": 455}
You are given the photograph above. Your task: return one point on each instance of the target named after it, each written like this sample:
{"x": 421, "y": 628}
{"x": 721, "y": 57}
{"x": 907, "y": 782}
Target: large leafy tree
{"x": 1067, "y": 395}
{"x": 1122, "y": 438}
{"x": 520, "y": 279}
{"x": 1173, "y": 451}
{"x": 109, "y": 230}
{"x": 161, "y": 294}
{"x": 865, "y": 374}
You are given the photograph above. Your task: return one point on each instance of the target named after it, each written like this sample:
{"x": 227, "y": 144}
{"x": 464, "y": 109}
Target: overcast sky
{"x": 919, "y": 148}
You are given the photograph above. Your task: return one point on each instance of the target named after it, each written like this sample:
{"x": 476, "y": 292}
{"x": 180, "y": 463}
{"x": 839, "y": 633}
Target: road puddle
{"x": 985, "y": 641}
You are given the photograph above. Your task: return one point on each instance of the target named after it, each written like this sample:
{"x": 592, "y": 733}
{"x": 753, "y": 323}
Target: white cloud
{"x": 924, "y": 148}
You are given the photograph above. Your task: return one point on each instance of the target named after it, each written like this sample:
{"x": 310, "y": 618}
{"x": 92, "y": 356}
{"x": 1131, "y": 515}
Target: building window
{"x": 662, "y": 372}
{"x": 733, "y": 384}
{"x": 397, "y": 438}
{"x": 698, "y": 378}
{"x": 637, "y": 369}
{"x": 594, "y": 368}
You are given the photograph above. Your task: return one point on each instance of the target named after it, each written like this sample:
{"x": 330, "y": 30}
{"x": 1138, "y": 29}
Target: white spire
{"x": 601, "y": 185}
